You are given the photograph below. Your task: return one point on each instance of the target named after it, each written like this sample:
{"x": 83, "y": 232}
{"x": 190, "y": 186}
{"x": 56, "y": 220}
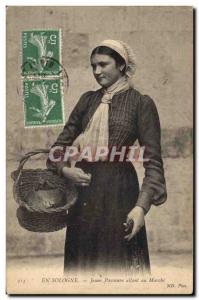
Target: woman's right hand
{"x": 77, "y": 176}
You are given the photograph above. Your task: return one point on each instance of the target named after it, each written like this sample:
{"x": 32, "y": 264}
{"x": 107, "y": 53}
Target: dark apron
{"x": 95, "y": 232}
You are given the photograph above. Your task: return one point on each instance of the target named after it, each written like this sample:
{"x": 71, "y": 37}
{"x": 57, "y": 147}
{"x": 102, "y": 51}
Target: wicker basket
{"x": 44, "y": 198}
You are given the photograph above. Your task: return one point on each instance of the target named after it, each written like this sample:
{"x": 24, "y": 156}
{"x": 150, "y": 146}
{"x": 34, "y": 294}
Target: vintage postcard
{"x": 99, "y": 150}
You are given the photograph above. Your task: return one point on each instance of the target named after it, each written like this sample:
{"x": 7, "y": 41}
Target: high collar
{"x": 119, "y": 84}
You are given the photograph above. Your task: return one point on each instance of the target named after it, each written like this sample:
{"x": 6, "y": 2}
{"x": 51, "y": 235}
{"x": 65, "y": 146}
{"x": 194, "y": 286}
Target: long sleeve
{"x": 153, "y": 189}
{"x": 71, "y": 130}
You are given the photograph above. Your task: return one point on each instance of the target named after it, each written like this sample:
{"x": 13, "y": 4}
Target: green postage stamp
{"x": 41, "y": 52}
{"x": 41, "y": 72}
{"x": 42, "y": 102}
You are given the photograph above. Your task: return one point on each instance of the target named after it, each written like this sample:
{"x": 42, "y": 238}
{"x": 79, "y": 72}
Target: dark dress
{"x": 95, "y": 231}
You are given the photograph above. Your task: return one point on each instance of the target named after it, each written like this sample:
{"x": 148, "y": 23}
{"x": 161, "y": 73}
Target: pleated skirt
{"x": 95, "y": 231}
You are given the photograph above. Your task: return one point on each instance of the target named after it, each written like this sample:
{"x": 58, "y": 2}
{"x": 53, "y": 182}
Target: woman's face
{"x": 105, "y": 69}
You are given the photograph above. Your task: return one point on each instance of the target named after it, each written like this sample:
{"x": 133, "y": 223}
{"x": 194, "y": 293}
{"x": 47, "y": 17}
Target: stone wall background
{"x": 162, "y": 39}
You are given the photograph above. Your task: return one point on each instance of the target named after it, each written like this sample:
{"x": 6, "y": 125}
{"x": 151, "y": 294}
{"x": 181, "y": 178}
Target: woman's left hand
{"x": 134, "y": 221}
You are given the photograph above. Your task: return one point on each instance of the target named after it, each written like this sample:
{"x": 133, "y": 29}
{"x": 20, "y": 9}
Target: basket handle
{"x": 25, "y": 159}
{"x": 28, "y": 155}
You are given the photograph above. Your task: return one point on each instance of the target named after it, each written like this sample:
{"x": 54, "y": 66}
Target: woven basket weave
{"x": 44, "y": 198}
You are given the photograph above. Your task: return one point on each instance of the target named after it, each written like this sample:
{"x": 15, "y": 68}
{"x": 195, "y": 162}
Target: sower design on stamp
{"x": 42, "y": 102}
{"x": 40, "y": 50}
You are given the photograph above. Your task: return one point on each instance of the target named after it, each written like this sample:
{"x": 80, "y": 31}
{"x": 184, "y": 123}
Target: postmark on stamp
{"x": 41, "y": 49}
{"x": 62, "y": 74}
{"x": 43, "y": 102}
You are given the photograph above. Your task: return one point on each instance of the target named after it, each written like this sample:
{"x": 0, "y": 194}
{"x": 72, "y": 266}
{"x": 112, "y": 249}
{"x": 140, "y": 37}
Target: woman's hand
{"x": 134, "y": 222}
{"x": 77, "y": 176}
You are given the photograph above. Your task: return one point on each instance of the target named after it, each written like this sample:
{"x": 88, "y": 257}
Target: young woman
{"x": 106, "y": 228}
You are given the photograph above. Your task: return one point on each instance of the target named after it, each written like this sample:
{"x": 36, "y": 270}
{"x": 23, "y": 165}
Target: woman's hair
{"x": 112, "y": 53}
